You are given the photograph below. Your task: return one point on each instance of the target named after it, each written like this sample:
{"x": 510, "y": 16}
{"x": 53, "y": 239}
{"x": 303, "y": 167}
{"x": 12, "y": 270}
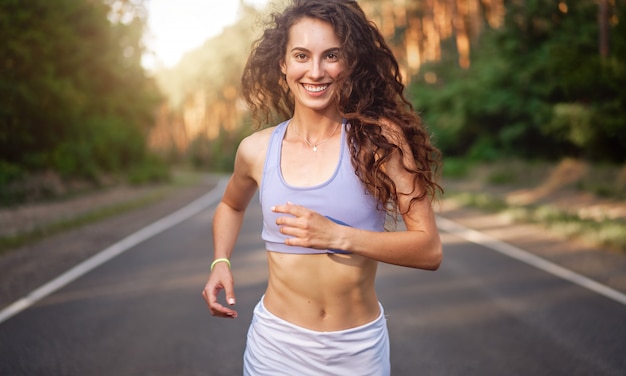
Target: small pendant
{"x": 315, "y": 148}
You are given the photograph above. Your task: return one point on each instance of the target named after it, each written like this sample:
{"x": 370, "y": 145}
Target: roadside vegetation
{"x": 76, "y": 103}
{"x": 100, "y": 210}
{"x": 572, "y": 198}
{"x": 97, "y": 214}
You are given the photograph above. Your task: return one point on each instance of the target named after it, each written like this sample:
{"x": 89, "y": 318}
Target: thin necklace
{"x": 315, "y": 145}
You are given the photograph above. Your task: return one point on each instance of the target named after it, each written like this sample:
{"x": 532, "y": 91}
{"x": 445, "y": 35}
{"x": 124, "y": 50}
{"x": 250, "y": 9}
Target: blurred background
{"x": 95, "y": 93}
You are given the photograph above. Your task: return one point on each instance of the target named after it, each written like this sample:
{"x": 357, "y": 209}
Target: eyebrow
{"x": 333, "y": 49}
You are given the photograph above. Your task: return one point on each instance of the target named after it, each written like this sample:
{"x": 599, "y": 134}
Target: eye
{"x": 333, "y": 56}
{"x": 300, "y": 56}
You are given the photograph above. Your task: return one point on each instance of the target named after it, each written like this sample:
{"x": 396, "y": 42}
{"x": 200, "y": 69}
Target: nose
{"x": 317, "y": 69}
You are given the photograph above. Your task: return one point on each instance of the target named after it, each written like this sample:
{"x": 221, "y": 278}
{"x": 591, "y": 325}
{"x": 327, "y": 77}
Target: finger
{"x": 222, "y": 311}
{"x": 230, "y": 293}
{"x": 288, "y": 208}
{"x": 289, "y": 222}
{"x": 296, "y": 217}
{"x": 215, "y": 307}
{"x": 292, "y": 231}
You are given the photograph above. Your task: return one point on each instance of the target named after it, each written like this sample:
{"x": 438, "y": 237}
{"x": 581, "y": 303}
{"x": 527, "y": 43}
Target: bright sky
{"x": 177, "y": 26}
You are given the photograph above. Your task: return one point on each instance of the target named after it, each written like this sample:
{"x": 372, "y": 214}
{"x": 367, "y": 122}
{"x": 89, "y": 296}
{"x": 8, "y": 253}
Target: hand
{"x": 221, "y": 278}
{"x": 306, "y": 227}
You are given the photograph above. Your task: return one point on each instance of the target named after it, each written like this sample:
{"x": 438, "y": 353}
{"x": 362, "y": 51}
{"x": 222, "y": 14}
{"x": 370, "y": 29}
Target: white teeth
{"x": 315, "y": 88}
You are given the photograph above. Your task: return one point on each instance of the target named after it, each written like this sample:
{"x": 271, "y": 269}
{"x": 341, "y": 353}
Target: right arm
{"x": 227, "y": 223}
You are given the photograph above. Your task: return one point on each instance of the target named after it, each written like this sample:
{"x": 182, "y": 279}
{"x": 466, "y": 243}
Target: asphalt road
{"x": 482, "y": 313}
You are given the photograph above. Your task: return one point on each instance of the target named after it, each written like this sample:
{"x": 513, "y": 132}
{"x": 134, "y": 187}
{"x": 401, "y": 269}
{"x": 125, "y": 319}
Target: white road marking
{"x": 528, "y": 258}
{"x": 116, "y": 249}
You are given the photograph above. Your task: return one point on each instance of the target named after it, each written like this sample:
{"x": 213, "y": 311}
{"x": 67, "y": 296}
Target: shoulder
{"x": 251, "y": 153}
{"x": 256, "y": 143}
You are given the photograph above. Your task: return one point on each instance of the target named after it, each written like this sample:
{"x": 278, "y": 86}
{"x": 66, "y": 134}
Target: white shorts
{"x": 276, "y": 347}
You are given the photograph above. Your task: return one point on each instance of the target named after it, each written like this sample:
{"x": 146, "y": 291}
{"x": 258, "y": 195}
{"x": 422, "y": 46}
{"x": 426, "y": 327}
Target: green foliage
{"x": 75, "y": 97}
{"x": 503, "y": 177}
{"x": 217, "y": 155}
{"x": 97, "y": 214}
{"x": 537, "y": 88}
{"x": 456, "y": 168}
{"x": 152, "y": 170}
{"x": 9, "y": 172}
{"x": 99, "y": 144}
{"x": 482, "y": 201}
{"x": 605, "y": 180}
{"x": 604, "y": 232}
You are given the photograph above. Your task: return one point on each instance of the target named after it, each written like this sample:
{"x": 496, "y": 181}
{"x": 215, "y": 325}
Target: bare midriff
{"x": 322, "y": 292}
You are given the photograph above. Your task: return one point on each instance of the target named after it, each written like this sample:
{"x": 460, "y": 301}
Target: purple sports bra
{"x": 343, "y": 198}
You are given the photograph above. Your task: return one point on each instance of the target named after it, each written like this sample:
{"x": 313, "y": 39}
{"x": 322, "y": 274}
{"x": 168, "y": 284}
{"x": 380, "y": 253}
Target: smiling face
{"x": 312, "y": 63}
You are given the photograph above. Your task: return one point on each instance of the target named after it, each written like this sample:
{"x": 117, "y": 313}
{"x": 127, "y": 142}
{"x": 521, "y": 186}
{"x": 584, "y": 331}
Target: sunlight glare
{"x": 178, "y": 26}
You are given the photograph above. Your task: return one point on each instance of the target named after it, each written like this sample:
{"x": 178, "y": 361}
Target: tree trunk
{"x": 603, "y": 25}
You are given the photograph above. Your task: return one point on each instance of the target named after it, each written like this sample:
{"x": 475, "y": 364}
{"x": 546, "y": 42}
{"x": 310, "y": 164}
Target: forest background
{"x": 538, "y": 81}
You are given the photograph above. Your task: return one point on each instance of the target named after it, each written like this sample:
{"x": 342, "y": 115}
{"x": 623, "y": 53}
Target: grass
{"x": 180, "y": 179}
{"x": 96, "y": 215}
{"x": 606, "y": 182}
{"x": 608, "y": 233}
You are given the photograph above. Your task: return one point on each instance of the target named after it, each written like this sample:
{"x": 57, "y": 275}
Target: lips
{"x": 315, "y": 88}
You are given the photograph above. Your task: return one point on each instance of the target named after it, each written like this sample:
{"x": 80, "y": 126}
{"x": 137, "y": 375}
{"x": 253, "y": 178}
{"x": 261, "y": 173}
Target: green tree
{"x": 538, "y": 87}
{"x": 75, "y": 97}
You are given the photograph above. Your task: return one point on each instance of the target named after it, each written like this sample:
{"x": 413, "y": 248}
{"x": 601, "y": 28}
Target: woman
{"x": 351, "y": 152}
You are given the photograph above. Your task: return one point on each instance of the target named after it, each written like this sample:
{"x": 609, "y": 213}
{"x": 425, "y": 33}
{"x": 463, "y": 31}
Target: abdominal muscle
{"x": 322, "y": 292}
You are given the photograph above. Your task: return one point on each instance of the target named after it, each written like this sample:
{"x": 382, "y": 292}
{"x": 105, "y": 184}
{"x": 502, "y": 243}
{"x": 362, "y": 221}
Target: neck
{"x": 315, "y": 126}
{"x": 321, "y": 138}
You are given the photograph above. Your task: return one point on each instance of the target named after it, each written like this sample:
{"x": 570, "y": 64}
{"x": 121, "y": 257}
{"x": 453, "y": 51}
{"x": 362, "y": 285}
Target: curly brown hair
{"x": 371, "y": 96}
